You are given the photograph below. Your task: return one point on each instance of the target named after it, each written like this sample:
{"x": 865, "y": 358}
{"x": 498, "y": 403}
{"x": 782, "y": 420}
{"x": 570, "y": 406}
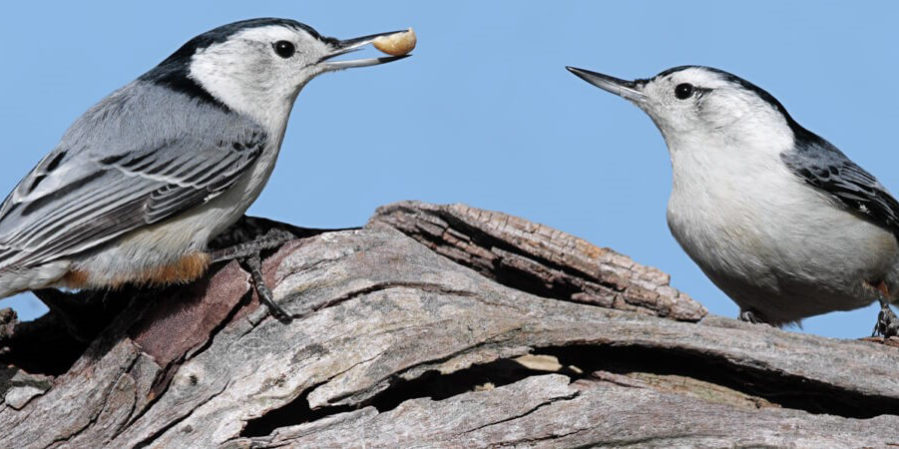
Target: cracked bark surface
{"x": 437, "y": 326}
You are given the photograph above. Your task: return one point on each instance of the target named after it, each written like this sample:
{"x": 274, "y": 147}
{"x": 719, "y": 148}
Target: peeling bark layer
{"x": 438, "y": 326}
{"x": 538, "y": 259}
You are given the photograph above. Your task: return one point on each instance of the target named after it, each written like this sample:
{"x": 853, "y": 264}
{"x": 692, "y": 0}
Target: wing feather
{"x": 824, "y": 166}
{"x": 94, "y": 188}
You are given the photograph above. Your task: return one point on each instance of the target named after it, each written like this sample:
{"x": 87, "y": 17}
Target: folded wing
{"x": 828, "y": 169}
{"x": 102, "y": 184}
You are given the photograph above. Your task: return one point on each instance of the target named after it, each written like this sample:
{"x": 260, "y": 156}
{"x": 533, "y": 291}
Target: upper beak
{"x": 628, "y": 90}
{"x": 351, "y": 45}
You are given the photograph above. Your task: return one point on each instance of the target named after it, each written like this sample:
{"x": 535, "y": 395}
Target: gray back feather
{"x": 140, "y": 156}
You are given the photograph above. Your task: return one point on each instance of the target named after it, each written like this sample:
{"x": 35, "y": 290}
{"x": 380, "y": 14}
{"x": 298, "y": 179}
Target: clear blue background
{"x": 484, "y": 112}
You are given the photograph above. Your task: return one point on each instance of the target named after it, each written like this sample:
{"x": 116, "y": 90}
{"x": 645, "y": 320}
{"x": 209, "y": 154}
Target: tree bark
{"x": 436, "y": 326}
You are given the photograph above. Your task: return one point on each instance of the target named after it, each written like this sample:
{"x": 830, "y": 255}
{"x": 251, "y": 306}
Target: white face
{"x": 259, "y": 71}
{"x": 698, "y": 101}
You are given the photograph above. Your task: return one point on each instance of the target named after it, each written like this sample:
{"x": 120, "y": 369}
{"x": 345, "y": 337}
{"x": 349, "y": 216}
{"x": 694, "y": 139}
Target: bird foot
{"x": 254, "y": 265}
{"x": 249, "y": 256}
{"x": 887, "y": 322}
{"x": 248, "y": 239}
{"x": 751, "y": 316}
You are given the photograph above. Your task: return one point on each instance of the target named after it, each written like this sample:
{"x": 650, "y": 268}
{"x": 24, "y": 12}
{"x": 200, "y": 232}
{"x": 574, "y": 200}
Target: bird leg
{"x": 248, "y": 239}
{"x": 272, "y": 239}
{"x": 887, "y": 322}
{"x": 249, "y": 255}
{"x": 254, "y": 264}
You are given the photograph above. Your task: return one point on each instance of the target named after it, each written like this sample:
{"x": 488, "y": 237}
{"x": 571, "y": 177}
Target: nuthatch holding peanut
{"x": 140, "y": 184}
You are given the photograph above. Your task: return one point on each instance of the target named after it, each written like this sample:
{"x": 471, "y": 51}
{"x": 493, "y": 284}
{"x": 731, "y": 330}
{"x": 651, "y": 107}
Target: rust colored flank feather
{"x": 186, "y": 269}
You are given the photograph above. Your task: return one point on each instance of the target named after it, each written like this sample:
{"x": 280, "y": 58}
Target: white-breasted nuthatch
{"x": 143, "y": 180}
{"x": 777, "y": 217}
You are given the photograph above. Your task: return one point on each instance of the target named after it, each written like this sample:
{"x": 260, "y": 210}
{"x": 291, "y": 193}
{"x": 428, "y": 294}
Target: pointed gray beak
{"x": 350, "y": 45}
{"x": 628, "y": 90}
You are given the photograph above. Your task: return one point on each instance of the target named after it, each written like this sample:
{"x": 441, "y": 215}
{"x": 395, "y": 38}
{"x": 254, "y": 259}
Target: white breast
{"x": 722, "y": 206}
{"x": 754, "y": 226}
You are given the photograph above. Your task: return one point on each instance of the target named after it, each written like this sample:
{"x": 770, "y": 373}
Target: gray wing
{"x": 824, "y": 166}
{"x": 139, "y": 157}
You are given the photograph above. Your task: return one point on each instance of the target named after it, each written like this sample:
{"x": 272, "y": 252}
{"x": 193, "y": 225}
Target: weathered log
{"x": 438, "y": 326}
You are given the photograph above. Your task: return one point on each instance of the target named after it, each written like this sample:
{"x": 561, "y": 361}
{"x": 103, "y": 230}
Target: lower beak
{"x": 351, "y": 45}
{"x": 624, "y": 89}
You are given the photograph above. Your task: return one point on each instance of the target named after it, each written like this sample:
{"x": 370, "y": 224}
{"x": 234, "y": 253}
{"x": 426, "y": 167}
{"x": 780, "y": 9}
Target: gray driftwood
{"x": 438, "y": 326}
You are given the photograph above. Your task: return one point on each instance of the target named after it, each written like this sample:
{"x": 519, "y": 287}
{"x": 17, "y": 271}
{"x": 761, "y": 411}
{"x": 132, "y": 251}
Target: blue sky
{"x": 484, "y": 112}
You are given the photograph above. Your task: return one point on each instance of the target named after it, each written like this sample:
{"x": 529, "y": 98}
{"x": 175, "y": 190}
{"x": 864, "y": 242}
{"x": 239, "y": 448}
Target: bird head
{"x": 695, "y": 105}
{"x": 258, "y": 66}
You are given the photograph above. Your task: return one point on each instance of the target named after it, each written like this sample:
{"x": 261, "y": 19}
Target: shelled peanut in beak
{"x": 396, "y": 44}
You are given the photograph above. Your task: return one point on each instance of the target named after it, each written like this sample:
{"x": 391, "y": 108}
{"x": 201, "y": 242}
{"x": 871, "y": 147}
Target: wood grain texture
{"x": 442, "y": 326}
{"x": 539, "y": 259}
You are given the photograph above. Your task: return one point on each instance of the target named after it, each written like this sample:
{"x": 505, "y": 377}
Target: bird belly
{"x": 786, "y": 256}
{"x": 169, "y": 252}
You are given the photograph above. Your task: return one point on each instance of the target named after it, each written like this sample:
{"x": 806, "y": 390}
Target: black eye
{"x": 683, "y": 91}
{"x": 284, "y": 49}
